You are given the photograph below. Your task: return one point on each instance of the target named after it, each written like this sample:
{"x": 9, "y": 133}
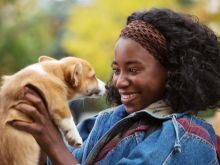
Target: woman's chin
{"x": 131, "y": 109}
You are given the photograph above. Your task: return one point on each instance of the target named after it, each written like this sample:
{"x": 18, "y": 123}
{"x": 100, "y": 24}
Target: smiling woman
{"x": 165, "y": 70}
{"x": 139, "y": 77}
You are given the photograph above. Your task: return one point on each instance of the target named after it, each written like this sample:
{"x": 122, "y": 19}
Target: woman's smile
{"x": 128, "y": 97}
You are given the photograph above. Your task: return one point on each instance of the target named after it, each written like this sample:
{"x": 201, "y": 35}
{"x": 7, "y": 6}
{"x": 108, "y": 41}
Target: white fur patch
{"x": 70, "y": 131}
{"x": 101, "y": 86}
{"x": 37, "y": 68}
{"x": 67, "y": 124}
{"x": 56, "y": 61}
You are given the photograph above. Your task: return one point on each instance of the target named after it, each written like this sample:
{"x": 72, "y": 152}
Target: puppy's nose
{"x": 97, "y": 92}
{"x": 94, "y": 92}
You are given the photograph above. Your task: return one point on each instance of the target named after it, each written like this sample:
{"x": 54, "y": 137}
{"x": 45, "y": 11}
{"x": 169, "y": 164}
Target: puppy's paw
{"x": 73, "y": 138}
{"x": 68, "y": 127}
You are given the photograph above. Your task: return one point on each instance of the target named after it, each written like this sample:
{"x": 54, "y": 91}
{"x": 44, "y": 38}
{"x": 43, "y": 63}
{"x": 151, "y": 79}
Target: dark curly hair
{"x": 193, "y": 65}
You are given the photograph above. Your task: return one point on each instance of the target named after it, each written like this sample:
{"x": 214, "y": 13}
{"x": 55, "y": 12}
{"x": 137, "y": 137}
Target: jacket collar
{"x": 159, "y": 110}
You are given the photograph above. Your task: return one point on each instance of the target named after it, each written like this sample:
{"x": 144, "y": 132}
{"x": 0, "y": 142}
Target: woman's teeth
{"x": 126, "y": 97}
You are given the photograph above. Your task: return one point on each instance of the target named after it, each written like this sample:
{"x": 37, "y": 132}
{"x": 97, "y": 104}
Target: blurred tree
{"x": 208, "y": 12}
{"x": 22, "y": 34}
{"x": 29, "y": 29}
{"x": 58, "y": 12}
{"x": 92, "y": 28}
{"x": 89, "y": 29}
{"x": 186, "y": 3}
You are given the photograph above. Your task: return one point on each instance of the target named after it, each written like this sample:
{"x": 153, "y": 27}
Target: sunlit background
{"x": 82, "y": 28}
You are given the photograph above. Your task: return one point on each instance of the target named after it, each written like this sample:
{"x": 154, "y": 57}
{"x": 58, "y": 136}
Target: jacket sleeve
{"x": 85, "y": 127}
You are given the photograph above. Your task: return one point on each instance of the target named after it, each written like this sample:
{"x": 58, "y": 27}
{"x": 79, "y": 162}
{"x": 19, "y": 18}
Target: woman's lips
{"x": 126, "y": 98}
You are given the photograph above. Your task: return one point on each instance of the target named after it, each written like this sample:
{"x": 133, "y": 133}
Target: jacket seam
{"x": 192, "y": 134}
{"x": 119, "y": 143}
{"x": 187, "y": 134}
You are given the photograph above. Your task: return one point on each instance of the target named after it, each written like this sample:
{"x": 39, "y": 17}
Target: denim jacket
{"x": 180, "y": 138}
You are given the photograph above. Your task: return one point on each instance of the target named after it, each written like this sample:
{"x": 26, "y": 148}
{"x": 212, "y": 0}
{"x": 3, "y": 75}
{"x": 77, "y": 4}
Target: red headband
{"x": 148, "y": 37}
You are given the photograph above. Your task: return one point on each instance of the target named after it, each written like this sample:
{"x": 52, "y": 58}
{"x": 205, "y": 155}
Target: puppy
{"x": 57, "y": 81}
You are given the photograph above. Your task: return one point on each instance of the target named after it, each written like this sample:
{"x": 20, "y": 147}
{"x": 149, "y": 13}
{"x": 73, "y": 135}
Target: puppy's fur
{"x": 57, "y": 81}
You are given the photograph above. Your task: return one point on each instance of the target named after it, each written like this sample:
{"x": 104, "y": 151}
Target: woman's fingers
{"x": 35, "y": 127}
{"x": 28, "y": 127}
{"x": 30, "y": 90}
{"x": 36, "y": 100}
{"x": 29, "y": 110}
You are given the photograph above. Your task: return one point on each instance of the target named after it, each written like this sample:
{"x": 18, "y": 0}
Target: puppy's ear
{"x": 45, "y": 58}
{"x": 73, "y": 73}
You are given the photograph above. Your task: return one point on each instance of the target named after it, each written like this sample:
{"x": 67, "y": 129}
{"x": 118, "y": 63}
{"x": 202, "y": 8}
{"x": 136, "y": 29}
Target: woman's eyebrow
{"x": 132, "y": 62}
{"x": 127, "y": 63}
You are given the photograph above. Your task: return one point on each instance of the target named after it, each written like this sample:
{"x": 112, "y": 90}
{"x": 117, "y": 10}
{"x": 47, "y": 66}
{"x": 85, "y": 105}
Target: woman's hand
{"x": 42, "y": 128}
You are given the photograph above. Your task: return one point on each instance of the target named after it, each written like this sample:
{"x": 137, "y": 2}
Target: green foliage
{"x": 187, "y": 3}
{"x": 92, "y": 29}
{"x": 23, "y": 36}
{"x": 28, "y": 31}
{"x": 207, "y": 113}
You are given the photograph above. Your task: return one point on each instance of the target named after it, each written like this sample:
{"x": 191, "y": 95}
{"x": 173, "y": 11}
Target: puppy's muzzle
{"x": 95, "y": 92}
{"x": 101, "y": 88}
{"x": 100, "y": 91}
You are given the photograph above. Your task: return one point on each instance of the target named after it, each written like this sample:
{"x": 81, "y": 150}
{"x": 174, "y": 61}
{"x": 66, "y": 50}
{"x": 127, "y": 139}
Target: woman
{"x": 165, "y": 71}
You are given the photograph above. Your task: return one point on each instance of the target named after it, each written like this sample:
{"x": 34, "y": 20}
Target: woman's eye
{"x": 133, "y": 70}
{"x": 115, "y": 71}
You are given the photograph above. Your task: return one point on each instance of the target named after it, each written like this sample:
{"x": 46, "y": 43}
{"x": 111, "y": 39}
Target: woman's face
{"x": 138, "y": 76}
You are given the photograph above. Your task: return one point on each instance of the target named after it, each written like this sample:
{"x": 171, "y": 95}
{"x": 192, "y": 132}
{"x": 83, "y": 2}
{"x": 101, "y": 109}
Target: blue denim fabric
{"x": 170, "y": 144}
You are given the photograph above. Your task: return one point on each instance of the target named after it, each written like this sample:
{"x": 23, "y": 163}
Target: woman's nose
{"x": 122, "y": 81}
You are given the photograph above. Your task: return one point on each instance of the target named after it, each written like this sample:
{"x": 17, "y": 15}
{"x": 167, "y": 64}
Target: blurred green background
{"x": 82, "y": 28}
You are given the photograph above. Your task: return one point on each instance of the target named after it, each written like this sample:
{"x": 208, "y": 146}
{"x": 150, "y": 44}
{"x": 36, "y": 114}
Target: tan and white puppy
{"x": 57, "y": 81}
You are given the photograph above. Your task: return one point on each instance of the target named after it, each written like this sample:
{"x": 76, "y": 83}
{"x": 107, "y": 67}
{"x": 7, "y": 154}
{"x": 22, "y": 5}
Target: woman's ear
{"x": 73, "y": 73}
{"x": 45, "y": 58}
